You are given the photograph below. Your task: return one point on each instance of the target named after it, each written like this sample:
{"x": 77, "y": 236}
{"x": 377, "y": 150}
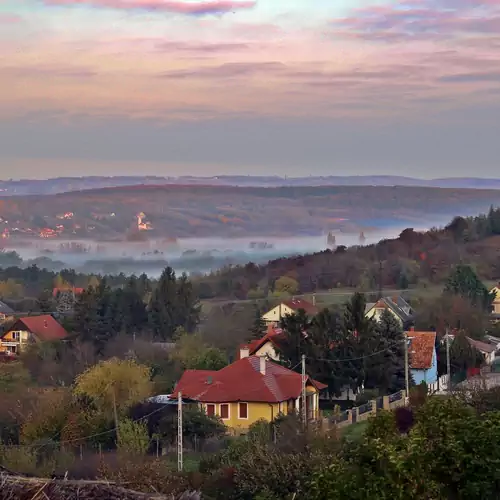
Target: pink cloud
{"x": 10, "y": 19}
{"x": 202, "y": 7}
{"x": 421, "y": 19}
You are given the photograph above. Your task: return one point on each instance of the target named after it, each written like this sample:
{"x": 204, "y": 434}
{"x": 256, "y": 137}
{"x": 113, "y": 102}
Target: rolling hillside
{"x": 225, "y": 211}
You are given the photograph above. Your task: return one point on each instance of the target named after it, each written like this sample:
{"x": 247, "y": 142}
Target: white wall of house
{"x": 268, "y": 350}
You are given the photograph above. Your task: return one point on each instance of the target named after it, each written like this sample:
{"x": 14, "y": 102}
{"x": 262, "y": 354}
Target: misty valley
{"x": 185, "y": 255}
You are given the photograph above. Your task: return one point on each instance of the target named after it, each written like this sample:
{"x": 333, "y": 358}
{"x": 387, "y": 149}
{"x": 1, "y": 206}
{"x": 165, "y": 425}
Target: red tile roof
{"x": 242, "y": 381}
{"x": 422, "y": 348}
{"x": 43, "y": 327}
{"x": 296, "y": 304}
{"x": 76, "y": 291}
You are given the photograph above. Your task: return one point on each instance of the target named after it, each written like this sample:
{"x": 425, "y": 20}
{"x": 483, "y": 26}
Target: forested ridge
{"x": 413, "y": 259}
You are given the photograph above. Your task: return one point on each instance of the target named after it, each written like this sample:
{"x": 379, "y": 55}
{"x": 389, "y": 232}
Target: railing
{"x": 396, "y": 397}
{"x": 365, "y": 408}
{"x": 363, "y": 412}
{"x": 341, "y": 417}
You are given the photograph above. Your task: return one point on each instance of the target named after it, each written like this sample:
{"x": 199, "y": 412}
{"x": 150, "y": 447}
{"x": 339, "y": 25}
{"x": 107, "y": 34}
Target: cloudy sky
{"x": 289, "y": 87}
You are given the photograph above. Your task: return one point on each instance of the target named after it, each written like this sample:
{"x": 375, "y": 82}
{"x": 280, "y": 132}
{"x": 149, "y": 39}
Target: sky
{"x": 284, "y": 87}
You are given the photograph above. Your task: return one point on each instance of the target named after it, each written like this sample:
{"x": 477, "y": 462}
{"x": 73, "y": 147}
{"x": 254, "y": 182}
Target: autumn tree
{"x": 192, "y": 354}
{"x": 286, "y": 285}
{"x": 115, "y": 382}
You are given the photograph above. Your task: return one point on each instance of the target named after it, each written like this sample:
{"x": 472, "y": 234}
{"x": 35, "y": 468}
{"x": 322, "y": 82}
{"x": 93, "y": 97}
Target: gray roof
{"x": 399, "y": 306}
{"x": 5, "y": 309}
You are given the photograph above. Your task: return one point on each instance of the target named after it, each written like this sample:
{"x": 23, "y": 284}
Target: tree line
{"x": 412, "y": 259}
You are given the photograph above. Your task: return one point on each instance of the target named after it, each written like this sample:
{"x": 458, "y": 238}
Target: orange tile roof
{"x": 422, "y": 348}
{"x": 243, "y": 381}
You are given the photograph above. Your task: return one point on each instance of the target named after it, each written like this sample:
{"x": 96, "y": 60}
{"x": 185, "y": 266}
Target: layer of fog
{"x": 192, "y": 256}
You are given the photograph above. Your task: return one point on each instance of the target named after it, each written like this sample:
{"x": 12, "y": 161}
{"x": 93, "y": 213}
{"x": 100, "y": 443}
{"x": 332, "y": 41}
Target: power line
{"x": 356, "y": 359}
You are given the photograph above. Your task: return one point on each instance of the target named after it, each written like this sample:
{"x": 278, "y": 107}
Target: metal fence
{"x": 395, "y": 397}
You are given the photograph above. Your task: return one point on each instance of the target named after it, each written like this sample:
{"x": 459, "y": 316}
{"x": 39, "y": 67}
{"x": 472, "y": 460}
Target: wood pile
{"x": 14, "y": 487}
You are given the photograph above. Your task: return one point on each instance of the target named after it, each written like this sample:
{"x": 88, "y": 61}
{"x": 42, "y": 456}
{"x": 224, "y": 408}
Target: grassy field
{"x": 332, "y": 297}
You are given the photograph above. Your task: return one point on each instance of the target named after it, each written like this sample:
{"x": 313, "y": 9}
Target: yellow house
{"x": 496, "y": 302}
{"x": 288, "y": 307}
{"x": 30, "y": 329}
{"x": 248, "y": 390}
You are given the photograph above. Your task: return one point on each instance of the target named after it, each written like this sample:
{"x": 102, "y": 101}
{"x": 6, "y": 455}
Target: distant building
{"x": 288, "y": 307}
{"x": 396, "y": 305}
{"x": 31, "y": 329}
{"x": 496, "y": 302}
{"x": 423, "y": 357}
{"x": 5, "y": 312}
{"x": 487, "y": 349}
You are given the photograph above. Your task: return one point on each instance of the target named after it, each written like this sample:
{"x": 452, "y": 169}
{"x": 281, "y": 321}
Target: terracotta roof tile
{"x": 43, "y": 327}
{"x": 242, "y": 381}
{"x": 422, "y": 347}
{"x": 296, "y": 304}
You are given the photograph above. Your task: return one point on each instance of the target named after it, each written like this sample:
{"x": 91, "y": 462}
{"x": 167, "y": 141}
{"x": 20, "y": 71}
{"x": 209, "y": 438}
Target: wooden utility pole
{"x": 407, "y": 368}
{"x": 304, "y": 395}
{"x": 115, "y": 411}
{"x": 448, "y": 361}
{"x": 179, "y": 433}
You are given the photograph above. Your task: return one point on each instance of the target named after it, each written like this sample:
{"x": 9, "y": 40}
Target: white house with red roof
{"x": 267, "y": 346}
{"x": 289, "y": 307}
{"x": 30, "y": 329}
{"x": 248, "y": 390}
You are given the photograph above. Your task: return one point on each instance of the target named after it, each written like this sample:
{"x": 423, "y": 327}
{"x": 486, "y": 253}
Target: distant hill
{"x": 227, "y": 211}
{"x": 67, "y": 184}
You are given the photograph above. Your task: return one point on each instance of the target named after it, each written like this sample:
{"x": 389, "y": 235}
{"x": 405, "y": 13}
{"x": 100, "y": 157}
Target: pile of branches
{"x": 14, "y": 487}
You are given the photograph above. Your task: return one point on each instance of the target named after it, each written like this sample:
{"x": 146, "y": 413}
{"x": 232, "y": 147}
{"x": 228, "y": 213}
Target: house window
{"x": 210, "y": 410}
{"x": 243, "y": 410}
{"x": 16, "y": 335}
{"x": 224, "y": 411}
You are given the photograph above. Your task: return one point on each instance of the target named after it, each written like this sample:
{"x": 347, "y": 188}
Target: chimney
{"x": 412, "y": 328}
{"x": 314, "y": 299}
{"x": 244, "y": 352}
{"x": 262, "y": 360}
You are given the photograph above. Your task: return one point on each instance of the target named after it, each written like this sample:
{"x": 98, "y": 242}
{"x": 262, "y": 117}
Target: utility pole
{"x": 407, "y": 369}
{"x": 115, "y": 412}
{"x": 304, "y": 409}
{"x": 448, "y": 361}
{"x": 179, "y": 432}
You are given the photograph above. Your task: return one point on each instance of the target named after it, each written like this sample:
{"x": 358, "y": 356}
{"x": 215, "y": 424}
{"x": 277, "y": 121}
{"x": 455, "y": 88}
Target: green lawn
{"x": 354, "y": 432}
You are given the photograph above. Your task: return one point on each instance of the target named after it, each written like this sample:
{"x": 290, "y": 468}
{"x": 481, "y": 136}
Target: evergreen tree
{"x": 328, "y": 340}
{"x": 188, "y": 308}
{"x": 131, "y": 309}
{"x": 494, "y": 220}
{"x": 464, "y": 282}
{"x": 357, "y": 342}
{"x": 173, "y": 304}
{"x": 45, "y": 302}
{"x": 162, "y": 308}
{"x": 296, "y": 342}
{"x": 259, "y": 326}
{"x": 386, "y": 371}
